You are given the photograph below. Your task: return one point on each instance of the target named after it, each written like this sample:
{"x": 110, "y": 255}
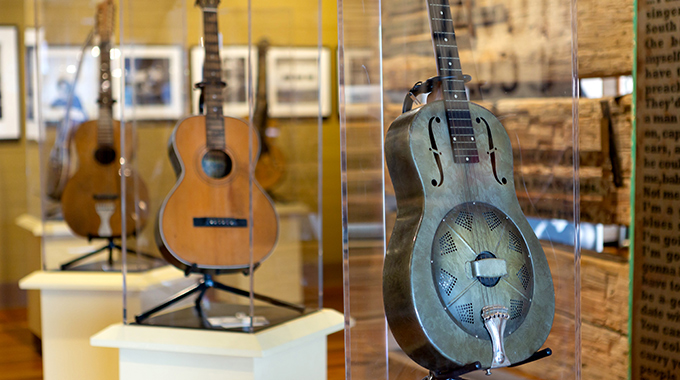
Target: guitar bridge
{"x": 495, "y": 317}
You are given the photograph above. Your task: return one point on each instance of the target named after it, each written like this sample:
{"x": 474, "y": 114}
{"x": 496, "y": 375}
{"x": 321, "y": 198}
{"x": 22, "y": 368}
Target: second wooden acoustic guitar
{"x": 205, "y": 222}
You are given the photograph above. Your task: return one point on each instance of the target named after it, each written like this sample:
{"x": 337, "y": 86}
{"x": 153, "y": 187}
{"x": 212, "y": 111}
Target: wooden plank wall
{"x": 518, "y": 53}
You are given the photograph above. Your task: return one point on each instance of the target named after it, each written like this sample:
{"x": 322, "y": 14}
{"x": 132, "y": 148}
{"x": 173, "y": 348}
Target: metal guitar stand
{"x": 203, "y": 285}
{"x": 110, "y": 246}
{"x": 455, "y": 374}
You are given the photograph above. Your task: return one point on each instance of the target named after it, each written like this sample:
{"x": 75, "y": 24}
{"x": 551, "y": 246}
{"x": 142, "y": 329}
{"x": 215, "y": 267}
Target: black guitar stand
{"x": 110, "y": 246}
{"x": 203, "y": 285}
{"x": 456, "y": 373}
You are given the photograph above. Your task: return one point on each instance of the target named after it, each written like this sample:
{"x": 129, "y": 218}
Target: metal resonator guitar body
{"x": 465, "y": 278}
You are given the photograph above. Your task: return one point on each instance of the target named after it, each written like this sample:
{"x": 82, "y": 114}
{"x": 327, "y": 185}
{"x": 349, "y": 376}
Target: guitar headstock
{"x": 104, "y": 20}
{"x": 208, "y": 3}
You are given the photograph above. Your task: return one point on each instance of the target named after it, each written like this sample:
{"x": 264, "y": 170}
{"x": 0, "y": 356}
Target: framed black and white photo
{"x": 153, "y": 83}
{"x": 31, "y": 85}
{"x": 9, "y": 84}
{"x": 298, "y": 82}
{"x": 235, "y": 72}
{"x": 58, "y": 68}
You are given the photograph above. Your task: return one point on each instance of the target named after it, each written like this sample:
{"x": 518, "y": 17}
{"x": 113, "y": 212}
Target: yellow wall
{"x": 285, "y": 23}
{"x": 19, "y": 253}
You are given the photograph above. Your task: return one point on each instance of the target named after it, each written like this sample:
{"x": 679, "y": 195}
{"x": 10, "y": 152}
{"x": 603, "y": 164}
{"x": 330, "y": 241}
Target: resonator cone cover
{"x": 469, "y": 232}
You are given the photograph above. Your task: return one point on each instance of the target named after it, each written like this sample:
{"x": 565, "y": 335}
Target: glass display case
{"x": 239, "y": 206}
{"x": 460, "y": 182}
{"x": 192, "y": 141}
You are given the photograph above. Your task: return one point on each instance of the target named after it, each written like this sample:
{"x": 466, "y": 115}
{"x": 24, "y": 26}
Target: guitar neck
{"x": 453, "y": 85}
{"x": 212, "y": 82}
{"x": 105, "y": 122}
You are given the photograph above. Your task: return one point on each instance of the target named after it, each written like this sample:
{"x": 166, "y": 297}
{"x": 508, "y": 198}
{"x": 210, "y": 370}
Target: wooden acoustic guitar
{"x": 465, "y": 279}
{"x": 91, "y": 201}
{"x": 204, "y": 223}
{"x": 271, "y": 165}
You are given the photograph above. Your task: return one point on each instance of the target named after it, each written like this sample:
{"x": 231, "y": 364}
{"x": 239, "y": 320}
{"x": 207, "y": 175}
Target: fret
{"x": 458, "y": 116}
{"x": 105, "y": 122}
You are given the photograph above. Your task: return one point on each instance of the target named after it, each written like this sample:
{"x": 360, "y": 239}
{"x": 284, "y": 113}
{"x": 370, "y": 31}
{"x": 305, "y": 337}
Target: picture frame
{"x": 296, "y": 86}
{"x": 30, "y": 85}
{"x": 10, "y": 125}
{"x": 235, "y": 71}
{"x": 58, "y": 66}
{"x": 153, "y": 83}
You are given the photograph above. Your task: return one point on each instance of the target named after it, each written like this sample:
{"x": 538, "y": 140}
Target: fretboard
{"x": 212, "y": 82}
{"x": 105, "y": 123}
{"x": 453, "y": 85}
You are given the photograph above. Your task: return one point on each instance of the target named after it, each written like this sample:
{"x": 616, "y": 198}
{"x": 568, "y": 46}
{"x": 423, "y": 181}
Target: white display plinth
{"x": 76, "y": 305}
{"x": 292, "y": 350}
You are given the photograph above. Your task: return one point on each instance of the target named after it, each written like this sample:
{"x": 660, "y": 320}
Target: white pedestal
{"x": 76, "y": 305}
{"x": 293, "y": 350}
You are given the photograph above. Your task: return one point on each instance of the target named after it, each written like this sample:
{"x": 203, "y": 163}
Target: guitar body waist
{"x": 204, "y": 221}
{"x": 460, "y": 243}
{"x": 91, "y": 201}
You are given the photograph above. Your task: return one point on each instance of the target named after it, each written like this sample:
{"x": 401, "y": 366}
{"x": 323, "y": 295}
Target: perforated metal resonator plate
{"x": 468, "y": 230}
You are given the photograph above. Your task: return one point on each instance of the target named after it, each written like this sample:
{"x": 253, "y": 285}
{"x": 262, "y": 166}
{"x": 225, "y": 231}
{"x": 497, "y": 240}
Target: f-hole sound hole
{"x": 105, "y": 155}
{"x": 216, "y": 164}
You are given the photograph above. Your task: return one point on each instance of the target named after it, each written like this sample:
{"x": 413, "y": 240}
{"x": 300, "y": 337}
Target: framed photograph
{"x": 298, "y": 82}
{"x": 9, "y": 84}
{"x": 58, "y": 67}
{"x": 234, "y": 72}
{"x": 153, "y": 83}
{"x": 31, "y": 84}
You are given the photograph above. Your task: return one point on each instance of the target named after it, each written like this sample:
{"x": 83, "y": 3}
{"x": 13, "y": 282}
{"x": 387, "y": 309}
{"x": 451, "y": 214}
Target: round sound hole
{"x": 105, "y": 155}
{"x": 216, "y": 164}
{"x": 472, "y": 232}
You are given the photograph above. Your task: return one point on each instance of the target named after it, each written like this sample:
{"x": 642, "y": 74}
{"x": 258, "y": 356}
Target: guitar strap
{"x": 423, "y": 88}
{"x": 201, "y": 98}
{"x": 72, "y": 89}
